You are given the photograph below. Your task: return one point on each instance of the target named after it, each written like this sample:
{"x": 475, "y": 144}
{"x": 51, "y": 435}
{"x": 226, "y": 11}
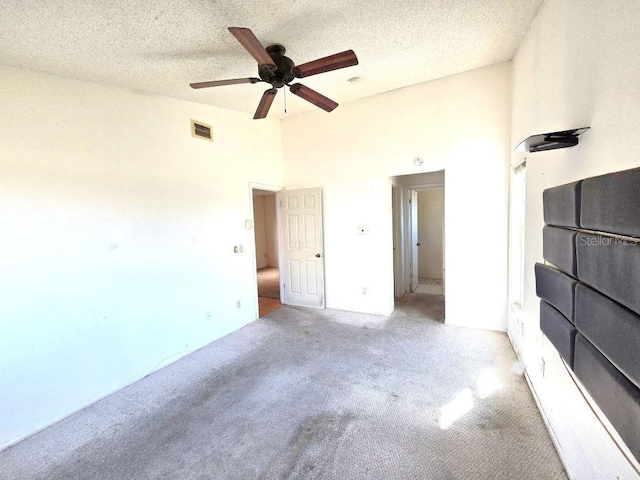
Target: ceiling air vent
{"x": 201, "y": 130}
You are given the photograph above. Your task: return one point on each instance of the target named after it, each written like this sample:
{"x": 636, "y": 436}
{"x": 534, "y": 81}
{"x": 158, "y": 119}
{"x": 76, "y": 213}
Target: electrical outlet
{"x": 365, "y": 290}
{"x": 238, "y": 304}
{"x": 208, "y": 316}
{"x": 238, "y": 249}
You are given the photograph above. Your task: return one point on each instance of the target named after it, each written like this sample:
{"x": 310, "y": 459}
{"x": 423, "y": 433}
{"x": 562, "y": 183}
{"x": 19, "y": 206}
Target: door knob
{"x": 318, "y": 255}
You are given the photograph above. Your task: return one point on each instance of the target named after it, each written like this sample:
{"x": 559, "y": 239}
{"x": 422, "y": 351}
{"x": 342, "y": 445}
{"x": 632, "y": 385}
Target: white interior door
{"x": 302, "y": 247}
{"x": 414, "y": 239}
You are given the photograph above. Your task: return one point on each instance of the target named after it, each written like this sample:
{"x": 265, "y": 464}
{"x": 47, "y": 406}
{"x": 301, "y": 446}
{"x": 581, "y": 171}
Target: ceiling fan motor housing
{"x": 283, "y": 73}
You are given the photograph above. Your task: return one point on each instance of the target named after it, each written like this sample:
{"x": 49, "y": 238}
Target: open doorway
{"x": 419, "y": 238}
{"x": 267, "y": 250}
{"x": 430, "y": 241}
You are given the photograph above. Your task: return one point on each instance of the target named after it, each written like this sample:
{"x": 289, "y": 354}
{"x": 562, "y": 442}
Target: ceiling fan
{"x": 278, "y": 70}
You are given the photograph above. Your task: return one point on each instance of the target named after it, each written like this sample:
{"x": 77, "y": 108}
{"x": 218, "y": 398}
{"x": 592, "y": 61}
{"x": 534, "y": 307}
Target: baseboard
{"x": 163, "y": 363}
{"x": 552, "y": 433}
{"x": 24, "y": 436}
{"x": 545, "y": 419}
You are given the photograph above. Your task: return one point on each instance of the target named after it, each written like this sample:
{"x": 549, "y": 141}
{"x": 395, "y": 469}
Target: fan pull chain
{"x": 285, "y": 99}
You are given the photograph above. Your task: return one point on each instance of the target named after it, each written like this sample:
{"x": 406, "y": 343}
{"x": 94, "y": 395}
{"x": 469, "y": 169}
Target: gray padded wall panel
{"x": 617, "y": 397}
{"x": 558, "y": 247}
{"x": 588, "y": 225}
{"x": 560, "y": 331}
{"x": 611, "y": 203}
{"x": 611, "y": 266}
{"x": 562, "y": 205}
{"x": 556, "y": 288}
{"x": 611, "y": 328}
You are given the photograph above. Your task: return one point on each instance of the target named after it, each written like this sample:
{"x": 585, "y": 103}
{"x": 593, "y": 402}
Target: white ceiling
{"x": 160, "y": 46}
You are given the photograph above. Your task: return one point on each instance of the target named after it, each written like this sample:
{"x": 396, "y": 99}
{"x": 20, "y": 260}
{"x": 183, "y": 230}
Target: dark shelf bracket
{"x": 551, "y": 141}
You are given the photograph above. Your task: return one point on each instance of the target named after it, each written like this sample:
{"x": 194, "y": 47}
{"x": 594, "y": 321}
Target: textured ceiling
{"x": 159, "y": 47}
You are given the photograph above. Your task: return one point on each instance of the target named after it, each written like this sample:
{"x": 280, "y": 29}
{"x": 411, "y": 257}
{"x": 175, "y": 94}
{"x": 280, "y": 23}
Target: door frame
{"x": 413, "y": 239}
{"x": 398, "y": 244}
{"x": 405, "y": 232}
{"x": 267, "y": 188}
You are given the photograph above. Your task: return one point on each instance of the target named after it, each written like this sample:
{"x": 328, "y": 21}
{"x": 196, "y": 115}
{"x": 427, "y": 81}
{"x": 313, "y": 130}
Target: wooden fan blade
{"x": 253, "y": 46}
{"x": 265, "y": 103}
{"x": 314, "y": 97}
{"x": 221, "y": 83}
{"x": 326, "y": 64}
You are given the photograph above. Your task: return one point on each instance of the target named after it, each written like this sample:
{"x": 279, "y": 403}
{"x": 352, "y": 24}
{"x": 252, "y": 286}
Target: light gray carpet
{"x": 313, "y": 394}
{"x": 269, "y": 282}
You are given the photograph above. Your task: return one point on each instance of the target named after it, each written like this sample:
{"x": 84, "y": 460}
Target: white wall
{"x": 460, "y": 124}
{"x": 430, "y": 225}
{"x": 260, "y": 230}
{"x": 117, "y": 236}
{"x": 578, "y": 66}
{"x": 271, "y": 230}
{"x": 266, "y": 230}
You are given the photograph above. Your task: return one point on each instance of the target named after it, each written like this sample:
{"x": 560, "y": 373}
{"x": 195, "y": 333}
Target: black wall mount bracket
{"x": 551, "y": 141}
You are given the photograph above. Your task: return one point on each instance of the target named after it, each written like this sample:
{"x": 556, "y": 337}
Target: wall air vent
{"x": 201, "y": 130}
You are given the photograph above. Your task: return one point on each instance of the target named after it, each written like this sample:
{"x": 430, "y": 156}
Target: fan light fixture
{"x": 278, "y": 70}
